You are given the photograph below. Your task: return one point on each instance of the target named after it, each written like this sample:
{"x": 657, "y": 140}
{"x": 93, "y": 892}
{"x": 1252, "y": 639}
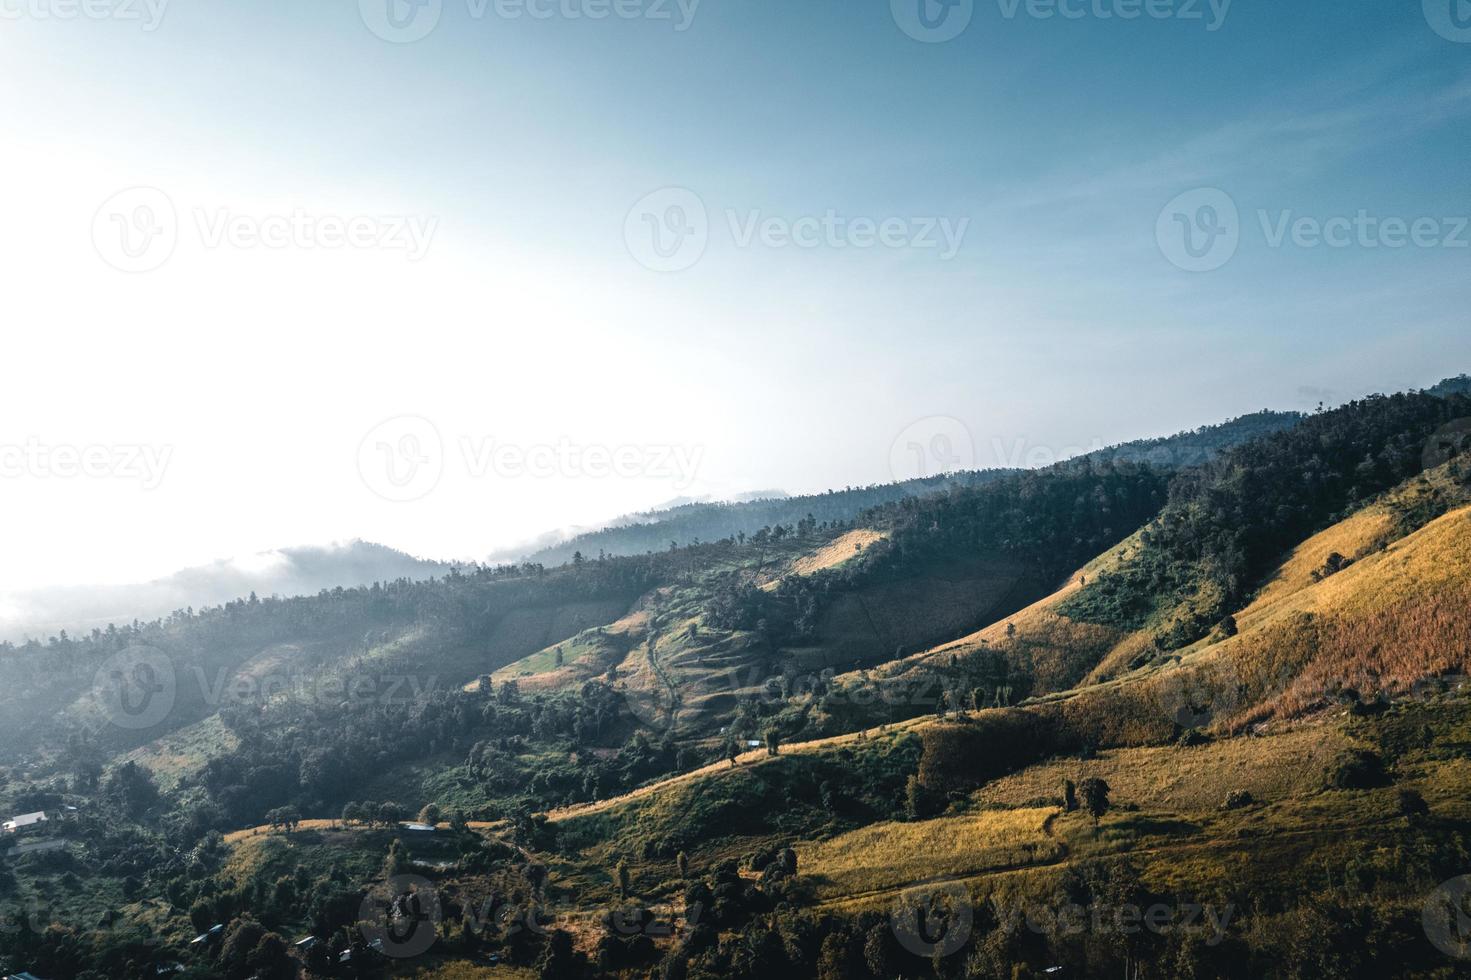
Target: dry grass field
{"x": 185, "y": 752}
{"x": 892, "y": 855}
{"x": 1387, "y": 621}
{"x": 1194, "y": 779}
{"x": 836, "y": 552}
{"x": 466, "y": 971}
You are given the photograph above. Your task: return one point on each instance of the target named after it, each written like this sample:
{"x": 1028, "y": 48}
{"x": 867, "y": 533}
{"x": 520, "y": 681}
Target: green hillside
{"x": 1225, "y": 698}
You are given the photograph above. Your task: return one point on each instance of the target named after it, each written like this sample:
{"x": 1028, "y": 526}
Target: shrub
{"x": 1357, "y": 769}
{"x": 1192, "y": 736}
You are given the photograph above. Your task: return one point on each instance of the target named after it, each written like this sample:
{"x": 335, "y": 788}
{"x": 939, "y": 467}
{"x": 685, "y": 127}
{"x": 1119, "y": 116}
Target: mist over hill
{"x": 684, "y": 523}
{"x": 302, "y": 570}
{"x": 1131, "y": 676}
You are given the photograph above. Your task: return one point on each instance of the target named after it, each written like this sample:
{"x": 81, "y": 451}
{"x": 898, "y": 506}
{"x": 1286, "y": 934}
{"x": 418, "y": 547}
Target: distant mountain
{"x": 684, "y": 522}
{"x": 1459, "y": 385}
{"x": 285, "y": 571}
{"x": 550, "y": 542}
{"x": 1200, "y": 445}
{"x": 1149, "y": 682}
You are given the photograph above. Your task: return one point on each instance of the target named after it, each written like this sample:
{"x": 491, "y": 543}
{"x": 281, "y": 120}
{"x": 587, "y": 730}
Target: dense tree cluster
{"x": 1227, "y": 523}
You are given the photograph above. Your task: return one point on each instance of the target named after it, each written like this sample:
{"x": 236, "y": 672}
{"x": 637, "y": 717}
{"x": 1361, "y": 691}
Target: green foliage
{"x": 1094, "y": 793}
{"x": 1357, "y": 769}
{"x": 1227, "y": 523}
{"x": 962, "y": 756}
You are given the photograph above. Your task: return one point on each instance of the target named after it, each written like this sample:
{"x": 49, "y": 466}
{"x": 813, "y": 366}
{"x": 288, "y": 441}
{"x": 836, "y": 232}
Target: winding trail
{"x": 755, "y": 757}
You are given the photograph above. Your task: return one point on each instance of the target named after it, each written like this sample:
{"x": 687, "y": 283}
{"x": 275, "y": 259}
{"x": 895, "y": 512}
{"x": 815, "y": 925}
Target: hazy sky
{"x": 273, "y": 269}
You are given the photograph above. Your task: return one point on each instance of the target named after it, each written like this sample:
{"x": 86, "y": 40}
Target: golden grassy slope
{"x": 1358, "y": 534}
{"x": 1391, "y": 619}
{"x": 1387, "y": 621}
{"x": 586, "y": 654}
{"x": 836, "y": 552}
{"x": 892, "y": 854}
{"x": 1056, "y": 650}
{"x": 1185, "y": 779}
{"x": 1368, "y": 531}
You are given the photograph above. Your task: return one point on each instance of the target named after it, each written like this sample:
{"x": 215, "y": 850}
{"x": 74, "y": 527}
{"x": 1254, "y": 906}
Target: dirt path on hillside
{"x": 756, "y": 757}
{"x": 1064, "y": 854}
{"x": 1182, "y": 848}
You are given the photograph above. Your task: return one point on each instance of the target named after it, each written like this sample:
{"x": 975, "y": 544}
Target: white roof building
{"x": 23, "y": 821}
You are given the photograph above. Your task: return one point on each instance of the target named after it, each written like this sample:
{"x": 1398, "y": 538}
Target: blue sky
{"x": 1060, "y": 321}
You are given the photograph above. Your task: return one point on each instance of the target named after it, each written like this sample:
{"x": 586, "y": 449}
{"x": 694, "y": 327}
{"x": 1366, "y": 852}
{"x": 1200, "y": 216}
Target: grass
{"x": 1387, "y": 621}
{"x": 584, "y": 655}
{"x": 1298, "y": 840}
{"x": 1195, "y": 779}
{"x": 183, "y": 753}
{"x": 838, "y": 551}
{"x": 1057, "y": 651}
{"x": 892, "y": 855}
{"x": 461, "y": 970}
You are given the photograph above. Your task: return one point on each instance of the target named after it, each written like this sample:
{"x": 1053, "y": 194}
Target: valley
{"x": 1199, "y": 719}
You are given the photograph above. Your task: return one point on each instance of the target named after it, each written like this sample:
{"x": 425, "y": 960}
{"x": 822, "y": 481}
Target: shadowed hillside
{"x": 1111, "y": 683}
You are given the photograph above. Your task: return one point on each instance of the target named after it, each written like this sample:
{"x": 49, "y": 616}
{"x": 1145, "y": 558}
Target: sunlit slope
{"x": 1393, "y": 619}
{"x": 1169, "y": 812}
{"x": 1050, "y": 650}
{"x": 680, "y": 674}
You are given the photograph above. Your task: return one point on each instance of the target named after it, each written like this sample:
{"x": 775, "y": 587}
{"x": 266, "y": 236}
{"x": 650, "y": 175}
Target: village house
{"x": 24, "y": 822}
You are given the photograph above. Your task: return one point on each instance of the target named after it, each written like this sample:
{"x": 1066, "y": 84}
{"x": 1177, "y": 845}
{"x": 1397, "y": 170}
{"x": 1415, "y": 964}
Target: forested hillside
{"x": 689, "y": 523}
{"x": 1226, "y": 523}
{"x": 1230, "y": 676}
